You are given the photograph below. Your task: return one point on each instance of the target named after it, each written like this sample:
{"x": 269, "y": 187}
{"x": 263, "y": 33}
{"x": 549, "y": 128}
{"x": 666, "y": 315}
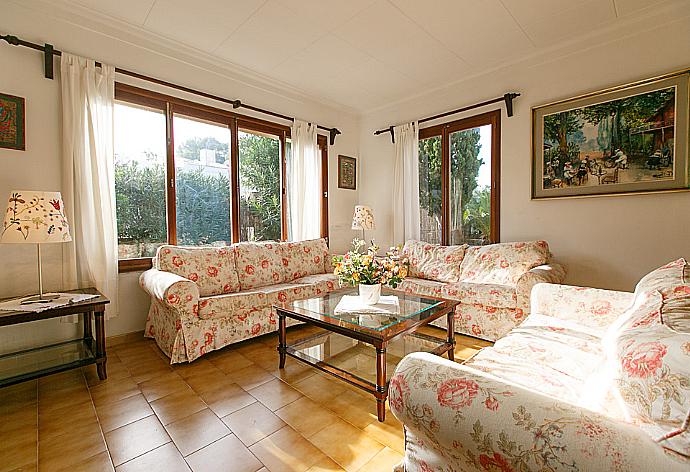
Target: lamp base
{"x": 40, "y": 299}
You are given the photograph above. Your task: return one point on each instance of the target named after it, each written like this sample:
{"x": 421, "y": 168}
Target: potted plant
{"x": 369, "y": 271}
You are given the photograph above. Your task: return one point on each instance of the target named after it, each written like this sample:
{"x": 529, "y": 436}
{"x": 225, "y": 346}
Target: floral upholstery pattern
{"x": 303, "y": 258}
{"x": 592, "y": 307}
{"x": 322, "y": 283}
{"x": 673, "y": 282}
{"x": 187, "y": 325}
{"x": 503, "y": 263}
{"x": 492, "y": 282}
{"x": 591, "y": 380}
{"x": 433, "y": 261}
{"x": 548, "y": 273}
{"x": 259, "y": 264}
{"x": 458, "y": 418}
{"x": 483, "y": 321}
{"x": 211, "y": 268}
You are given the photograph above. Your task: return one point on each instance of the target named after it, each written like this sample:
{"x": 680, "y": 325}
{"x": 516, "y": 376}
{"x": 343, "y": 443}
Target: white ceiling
{"x": 368, "y": 53}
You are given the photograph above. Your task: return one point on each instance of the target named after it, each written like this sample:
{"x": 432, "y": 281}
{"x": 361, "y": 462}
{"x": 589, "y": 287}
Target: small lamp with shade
{"x": 35, "y": 217}
{"x": 363, "y": 219}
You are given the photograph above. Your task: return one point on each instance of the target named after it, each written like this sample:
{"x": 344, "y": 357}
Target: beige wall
{"x": 39, "y": 167}
{"x": 604, "y": 241}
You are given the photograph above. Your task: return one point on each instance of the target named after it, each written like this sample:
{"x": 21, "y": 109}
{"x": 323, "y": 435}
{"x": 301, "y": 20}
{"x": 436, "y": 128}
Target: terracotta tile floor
{"x": 232, "y": 410}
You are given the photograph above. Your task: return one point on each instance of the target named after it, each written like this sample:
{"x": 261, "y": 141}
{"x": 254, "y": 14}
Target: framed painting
{"x": 347, "y": 172}
{"x": 12, "y": 122}
{"x": 627, "y": 139}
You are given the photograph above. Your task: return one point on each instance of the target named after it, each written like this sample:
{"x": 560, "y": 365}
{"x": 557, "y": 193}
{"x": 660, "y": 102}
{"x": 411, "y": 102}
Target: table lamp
{"x": 363, "y": 219}
{"x": 38, "y": 218}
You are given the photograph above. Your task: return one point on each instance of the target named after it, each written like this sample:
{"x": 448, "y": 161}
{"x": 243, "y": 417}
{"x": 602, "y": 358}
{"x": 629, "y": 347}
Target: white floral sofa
{"x": 593, "y": 380}
{"x": 204, "y": 298}
{"x": 493, "y": 282}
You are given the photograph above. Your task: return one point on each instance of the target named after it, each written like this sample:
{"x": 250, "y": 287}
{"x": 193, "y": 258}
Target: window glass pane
{"x": 470, "y": 186}
{"x": 260, "y": 169}
{"x": 139, "y": 180}
{"x": 202, "y": 182}
{"x": 430, "y": 196}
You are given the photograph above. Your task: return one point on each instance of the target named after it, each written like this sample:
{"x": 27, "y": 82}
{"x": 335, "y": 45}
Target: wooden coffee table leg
{"x": 282, "y": 343}
{"x": 451, "y": 335}
{"x": 381, "y": 392}
{"x": 100, "y": 344}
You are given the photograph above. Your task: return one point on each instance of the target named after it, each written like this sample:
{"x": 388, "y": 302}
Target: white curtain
{"x": 88, "y": 178}
{"x": 406, "y": 183}
{"x": 304, "y": 183}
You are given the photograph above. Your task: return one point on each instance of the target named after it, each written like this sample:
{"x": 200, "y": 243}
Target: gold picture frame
{"x": 631, "y": 138}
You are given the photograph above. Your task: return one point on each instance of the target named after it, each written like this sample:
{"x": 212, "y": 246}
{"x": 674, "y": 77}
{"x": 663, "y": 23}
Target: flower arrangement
{"x": 358, "y": 267}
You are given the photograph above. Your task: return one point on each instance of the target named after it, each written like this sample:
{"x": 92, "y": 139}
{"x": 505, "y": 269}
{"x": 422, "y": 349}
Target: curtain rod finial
{"x": 333, "y": 133}
{"x": 13, "y": 40}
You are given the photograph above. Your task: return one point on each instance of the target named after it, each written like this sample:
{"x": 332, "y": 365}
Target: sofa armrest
{"x": 593, "y": 307}
{"x": 460, "y": 418}
{"x": 173, "y": 291}
{"x": 551, "y": 273}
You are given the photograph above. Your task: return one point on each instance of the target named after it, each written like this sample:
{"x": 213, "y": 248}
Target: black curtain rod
{"x": 507, "y": 98}
{"x": 49, "y": 52}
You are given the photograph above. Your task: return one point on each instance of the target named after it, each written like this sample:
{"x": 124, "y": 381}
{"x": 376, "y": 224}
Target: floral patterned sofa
{"x": 493, "y": 282}
{"x": 592, "y": 380}
{"x": 204, "y": 298}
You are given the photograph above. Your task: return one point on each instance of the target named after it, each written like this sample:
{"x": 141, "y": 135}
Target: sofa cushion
{"x": 673, "y": 282}
{"x": 303, "y": 258}
{"x": 503, "y": 263}
{"x": 546, "y": 356}
{"x": 322, "y": 283}
{"x": 426, "y": 287}
{"x": 495, "y": 295}
{"x": 211, "y": 268}
{"x": 259, "y": 264}
{"x": 286, "y": 293}
{"x": 433, "y": 261}
{"x": 653, "y": 377}
{"x": 237, "y": 306}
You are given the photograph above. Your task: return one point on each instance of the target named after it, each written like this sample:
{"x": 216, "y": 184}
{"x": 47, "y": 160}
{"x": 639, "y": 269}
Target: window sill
{"x": 134, "y": 265}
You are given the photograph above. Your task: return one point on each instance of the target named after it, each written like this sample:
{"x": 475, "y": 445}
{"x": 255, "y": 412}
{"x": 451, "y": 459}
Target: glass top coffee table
{"x": 360, "y": 347}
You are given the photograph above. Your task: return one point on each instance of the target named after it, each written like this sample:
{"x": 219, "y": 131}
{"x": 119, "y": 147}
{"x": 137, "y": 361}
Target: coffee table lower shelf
{"x": 358, "y": 363}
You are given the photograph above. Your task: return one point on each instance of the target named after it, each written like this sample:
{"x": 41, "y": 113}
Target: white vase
{"x": 370, "y": 294}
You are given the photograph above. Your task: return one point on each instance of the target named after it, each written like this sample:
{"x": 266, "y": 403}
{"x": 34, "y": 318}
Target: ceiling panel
{"x": 329, "y": 13}
{"x": 203, "y": 24}
{"x": 479, "y": 31}
{"x": 389, "y": 36}
{"x": 527, "y": 11}
{"x": 132, "y": 11}
{"x": 571, "y": 23}
{"x": 628, "y": 7}
{"x": 269, "y": 36}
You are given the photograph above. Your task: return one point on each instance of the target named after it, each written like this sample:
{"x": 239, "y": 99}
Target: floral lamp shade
{"x": 35, "y": 217}
{"x": 363, "y": 218}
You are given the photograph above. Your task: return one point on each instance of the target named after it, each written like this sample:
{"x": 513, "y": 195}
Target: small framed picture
{"x": 12, "y": 122}
{"x": 347, "y": 172}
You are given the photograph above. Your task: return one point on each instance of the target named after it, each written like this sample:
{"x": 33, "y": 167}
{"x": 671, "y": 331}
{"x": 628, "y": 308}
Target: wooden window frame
{"x": 171, "y": 106}
{"x": 444, "y": 131}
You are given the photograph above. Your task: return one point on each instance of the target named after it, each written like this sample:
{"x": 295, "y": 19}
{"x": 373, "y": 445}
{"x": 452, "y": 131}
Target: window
{"x": 202, "y": 182}
{"x": 194, "y": 175}
{"x": 459, "y": 167}
{"x": 260, "y": 186}
{"x": 139, "y": 180}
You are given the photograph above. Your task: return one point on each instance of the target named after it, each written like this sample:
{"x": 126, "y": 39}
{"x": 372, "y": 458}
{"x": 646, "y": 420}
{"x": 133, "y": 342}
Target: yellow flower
{"x": 355, "y": 276}
{"x": 403, "y": 272}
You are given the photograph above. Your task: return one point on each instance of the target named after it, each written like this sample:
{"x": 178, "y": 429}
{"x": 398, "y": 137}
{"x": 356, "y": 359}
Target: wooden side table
{"x": 33, "y": 363}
